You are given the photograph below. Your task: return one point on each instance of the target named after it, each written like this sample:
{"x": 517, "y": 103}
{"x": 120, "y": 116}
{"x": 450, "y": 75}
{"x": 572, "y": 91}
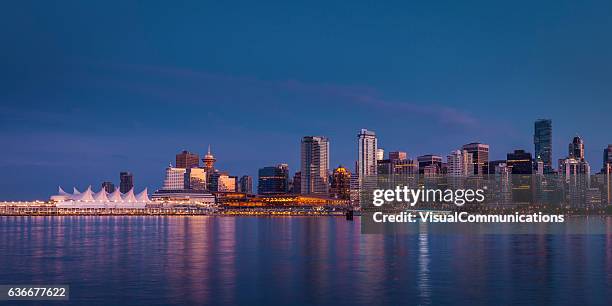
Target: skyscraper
{"x": 108, "y": 187}
{"x": 314, "y": 165}
{"x": 542, "y": 140}
{"x": 126, "y": 182}
{"x": 576, "y": 148}
{"x": 607, "y": 157}
{"x": 460, "y": 163}
{"x": 273, "y": 179}
{"x": 187, "y": 160}
{"x": 174, "y": 179}
{"x": 575, "y": 172}
{"x": 367, "y": 148}
{"x": 480, "y": 157}
{"x": 520, "y": 164}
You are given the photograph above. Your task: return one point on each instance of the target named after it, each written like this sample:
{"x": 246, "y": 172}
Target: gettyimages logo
{"x": 411, "y": 197}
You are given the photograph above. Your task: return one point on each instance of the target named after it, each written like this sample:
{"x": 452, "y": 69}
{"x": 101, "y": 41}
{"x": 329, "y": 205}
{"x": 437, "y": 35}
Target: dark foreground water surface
{"x": 296, "y": 261}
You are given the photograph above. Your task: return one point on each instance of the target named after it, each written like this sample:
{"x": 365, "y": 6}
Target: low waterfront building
{"x": 100, "y": 199}
{"x": 183, "y": 196}
{"x": 284, "y": 200}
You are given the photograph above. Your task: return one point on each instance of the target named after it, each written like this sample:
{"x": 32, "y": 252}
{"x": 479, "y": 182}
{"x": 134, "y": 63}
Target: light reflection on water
{"x": 297, "y": 261}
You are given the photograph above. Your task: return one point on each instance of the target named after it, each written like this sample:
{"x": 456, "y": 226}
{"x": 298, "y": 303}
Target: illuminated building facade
{"x": 341, "y": 183}
{"x": 195, "y": 179}
{"x": 575, "y": 174}
{"x": 273, "y": 179}
{"x": 222, "y": 182}
{"x": 280, "y": 201}
{"x": 187, "y": 160}
{"x": 380, "y": 154}
{"x": 460, "y": 163}
{"x": 367, "y": 148}
{"x": 607, "y": 158}
{"x": 174, "y": 179}
{"x": 100, "y": 199}
{"x": 314, "y": 165}
{"x": 480, "y": 157}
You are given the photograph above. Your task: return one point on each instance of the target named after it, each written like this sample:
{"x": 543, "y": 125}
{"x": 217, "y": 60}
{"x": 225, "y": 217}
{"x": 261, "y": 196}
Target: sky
{"x": 92, "y": 88}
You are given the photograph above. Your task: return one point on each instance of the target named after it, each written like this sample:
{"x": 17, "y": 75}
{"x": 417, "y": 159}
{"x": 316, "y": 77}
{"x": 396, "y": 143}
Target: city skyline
{"x": 575, "y": 149}
{"x": 83, "y": 98}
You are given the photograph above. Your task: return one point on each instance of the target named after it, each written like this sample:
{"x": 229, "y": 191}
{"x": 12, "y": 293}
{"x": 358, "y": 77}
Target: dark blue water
{"x": 296, "y": 261}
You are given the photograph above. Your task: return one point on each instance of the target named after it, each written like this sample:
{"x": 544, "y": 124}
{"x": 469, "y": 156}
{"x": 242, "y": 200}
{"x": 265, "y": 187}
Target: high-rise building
{"x": 195, "y": 179}
{"x": 341, "y": 183}
{"x": 222, "y": 182}
{"x": 246, "y": 184}
{"x": 576, "y": 148}
{"x": 607, "y": 190}
{"x": 126, "y": 182}
{"x": 607, "y": 157}
{"x": 398, "y": 155}
{"x": 520, "y": 162}
{"x": 108, "y": 187}
{"x": 520, "y": 165}
{"x": 460, "y": 163}
{"x": 187, "y": 160}
{"x": 297, "y": 183}
{"x": 380, "y": 154}
{"x": 432, "y": 164}
{"x": 542, "y": 140}
{"x": 354, "y": 190}
{"x": 273, "y": 179}
{"x": 480, "y": 157}
{"x": 174, "y": 179}
{"x": 575, "y": 174}
{"x": 367, "y": 147}
{"x": 500, "y": 178}
{"x": 314, "y": 165}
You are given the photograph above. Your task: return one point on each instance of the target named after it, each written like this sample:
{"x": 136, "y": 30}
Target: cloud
{"x": 188, "y": 86}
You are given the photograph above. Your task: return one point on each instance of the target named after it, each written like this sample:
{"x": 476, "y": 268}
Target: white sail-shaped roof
{"x": 75, "y": 191}
{"x": 143, "y": 196}
{"x": 115, "y": 196}
{"x": 87, "y": 195}
{"x": 129, "y": 196}
{"x": 100, "y": 196}
{"x": 61, "y": 191}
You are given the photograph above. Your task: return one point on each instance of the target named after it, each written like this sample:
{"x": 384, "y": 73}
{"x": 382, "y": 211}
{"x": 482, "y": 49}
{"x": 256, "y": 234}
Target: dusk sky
{"x": 89, "y": 89}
